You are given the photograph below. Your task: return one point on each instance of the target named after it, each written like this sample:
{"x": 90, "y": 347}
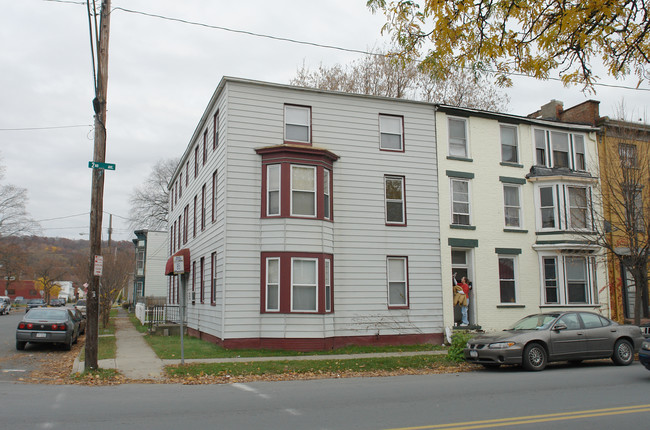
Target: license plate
{"x": 41, "y": 335}
{"x": 473, "y": 354}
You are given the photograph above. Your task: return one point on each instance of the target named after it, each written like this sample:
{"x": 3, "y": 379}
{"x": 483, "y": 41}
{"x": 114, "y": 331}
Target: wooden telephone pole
{"x": 97, "y": 198}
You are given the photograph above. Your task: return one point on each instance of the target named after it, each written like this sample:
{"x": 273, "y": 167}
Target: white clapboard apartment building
{"x": 311, "y": 219}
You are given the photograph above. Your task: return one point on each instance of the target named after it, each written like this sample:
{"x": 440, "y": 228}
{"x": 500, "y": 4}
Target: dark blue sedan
{"x": 644, "y": 354}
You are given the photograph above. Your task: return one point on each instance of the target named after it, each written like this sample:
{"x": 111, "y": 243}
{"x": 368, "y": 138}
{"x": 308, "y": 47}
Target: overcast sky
{"x": 162, "y": 74}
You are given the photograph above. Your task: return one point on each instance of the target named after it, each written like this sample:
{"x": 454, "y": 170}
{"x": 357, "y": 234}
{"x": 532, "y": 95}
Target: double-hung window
{"x": 512, "y": 205}
{"x": 560, "y": 143}
{"x": 458, "y": 138}
{"x": 328, "y": 285}
{"x": 391, "y": 131}
{"x": 509, "y": 144}
{"x": 304, "y": 284}
{"x": 395, "y": 202}
{"x": 547, "y": 206}
{"x": 297, "y": 124}
{"x": 579, "y": 152}
{"x": 397, "y": 268}
{"x": 273, "y": 190}
{"x": 213, "y": 278}
{"x": 460, "y": 202}
{"x": 558, "y": 149}
{"x": 214, "y": 196}
{"x": 627, "y": 154}
{"x": 327, "y": 203}
{"x": 303, "y": 191}
{"x": 569, "y": 280}
{"x": 272, "y": 285}
{"x": 507, "y": 279}
{"x": 578, "y": 209}
{"x": 551, "y": 290}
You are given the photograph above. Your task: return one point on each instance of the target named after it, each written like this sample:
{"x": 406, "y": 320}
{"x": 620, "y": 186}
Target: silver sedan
{"x": 538, "y": 339}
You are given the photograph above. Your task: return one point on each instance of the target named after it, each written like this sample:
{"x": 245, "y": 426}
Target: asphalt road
{"x": 591, "y": 396}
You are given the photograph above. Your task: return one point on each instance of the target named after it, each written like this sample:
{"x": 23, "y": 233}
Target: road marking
{"x": 293, "y": 412}
{"x": 534, "y": 418}
{"x": 245, "y": 387}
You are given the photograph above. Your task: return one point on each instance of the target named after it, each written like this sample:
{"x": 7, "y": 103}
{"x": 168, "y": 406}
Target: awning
{"x": 169, "y": 267}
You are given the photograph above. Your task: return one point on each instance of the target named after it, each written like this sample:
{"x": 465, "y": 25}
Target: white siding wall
{"x": 157, "y": 247}
{"x": 252, "y": 117}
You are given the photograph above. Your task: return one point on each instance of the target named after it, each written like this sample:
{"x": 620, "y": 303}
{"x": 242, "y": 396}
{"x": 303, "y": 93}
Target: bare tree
{"x": 14, "y": 219}
{"x": 622, "y": 206}
{"x": 13, "y": 261}
{"x": 117, "y": 270}
{"x": 381, "y": 74}
{"x": 150, "y": 201}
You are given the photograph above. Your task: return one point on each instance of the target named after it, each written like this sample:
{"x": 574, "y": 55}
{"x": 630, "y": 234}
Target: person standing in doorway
{"x": 466, "y": 285}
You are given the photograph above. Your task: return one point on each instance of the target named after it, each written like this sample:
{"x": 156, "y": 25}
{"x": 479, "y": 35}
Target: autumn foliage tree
{"x": 116, "y": 276}
{"x": 534, "y": 38}
{"x": 47, "y": 270}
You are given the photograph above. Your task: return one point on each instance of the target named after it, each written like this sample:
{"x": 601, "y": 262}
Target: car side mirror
{"x": 559, "y": 327}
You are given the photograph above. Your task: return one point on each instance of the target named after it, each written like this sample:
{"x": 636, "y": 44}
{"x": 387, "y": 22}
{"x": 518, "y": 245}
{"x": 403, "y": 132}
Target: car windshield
{"x": 534, "y": 322}
{"x": 46, "y": 314}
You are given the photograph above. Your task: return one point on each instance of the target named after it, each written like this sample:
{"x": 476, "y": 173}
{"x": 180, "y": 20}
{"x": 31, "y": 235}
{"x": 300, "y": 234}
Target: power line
{"x": 63, "y": 217}
{"x": 45, "y": 128}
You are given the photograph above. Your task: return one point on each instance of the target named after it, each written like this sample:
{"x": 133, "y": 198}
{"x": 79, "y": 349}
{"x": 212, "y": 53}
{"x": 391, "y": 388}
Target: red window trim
{"x": 214, "y": 196}
{"x": 201, "y": 283}
{"x": 408, "y": 289}
{"x": 395, "y": 224}
{"x": 196, "y": 161}
{"x": 285, "y": 281}
{"x": 215, "y": 131}
{"x": 213, "y": 279}
{"x": 403, "y": 133}
{"x": 194, "y": 282}
{"x": 284, "y": 125}
{"x": 287, "y": 156}
{"x": 205, "y": 146}
{"x": 203, "y": 207}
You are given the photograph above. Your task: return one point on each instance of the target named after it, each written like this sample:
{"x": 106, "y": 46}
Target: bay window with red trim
{"x": 297, "y": 182}
{"x": 295, "y": 282}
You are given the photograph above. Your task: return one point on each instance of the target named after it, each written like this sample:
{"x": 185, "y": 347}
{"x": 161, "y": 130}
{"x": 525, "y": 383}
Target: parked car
{"x": 644, "y": 354}
{"x": 48, "y": 325}
{"x": 5, "y": 305}
{"x": 81, "y": 306}
{"x": 19, "y": 300}
{"x": 538, "y": 339}
{"x": 81, "y": 318}
{"x": 35, "y": 303}
{"x": 57, "y": 302}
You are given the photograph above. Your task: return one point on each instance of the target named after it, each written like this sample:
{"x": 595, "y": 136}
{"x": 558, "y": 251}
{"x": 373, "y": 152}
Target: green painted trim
{"x": 462, "y": 227}
{"x": 581, "y": 233}
{"x": 456, "y": 174}
{"x": 508, "y": 251}
{"x": 469, "y": 160}
{"x": 512, "y": 230}
{"x": 510, "y": 306}
{"x": 508, "y": 180}
{"x": 463, "y": 243}
{"x": 557, "y": 242}
{"x": 503, "y": 163}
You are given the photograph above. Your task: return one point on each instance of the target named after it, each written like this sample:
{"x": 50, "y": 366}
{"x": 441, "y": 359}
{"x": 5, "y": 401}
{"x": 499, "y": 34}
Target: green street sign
{"x": 97, "y": 165}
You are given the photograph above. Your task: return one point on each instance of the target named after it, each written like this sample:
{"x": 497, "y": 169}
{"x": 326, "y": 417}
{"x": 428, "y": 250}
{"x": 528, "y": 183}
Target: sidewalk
{"x": 136, "y": 360}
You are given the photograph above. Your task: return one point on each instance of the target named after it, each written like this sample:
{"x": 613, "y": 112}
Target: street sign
{"x": 99, "y": 265}
{"x": 179, "y": 265}
{"x": 98, "y": 165}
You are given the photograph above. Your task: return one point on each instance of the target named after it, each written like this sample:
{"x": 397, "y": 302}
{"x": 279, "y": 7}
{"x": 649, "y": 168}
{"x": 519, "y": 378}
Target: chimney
{"x": 552, "y": 110}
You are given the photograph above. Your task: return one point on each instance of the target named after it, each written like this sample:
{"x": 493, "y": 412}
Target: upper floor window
{"x": 512, "y": 205}
{"x": 627, "y": 154}
{"x": 578, "y": 210}
{"x": 297, "y": 182}
{"x": 458, "y": 138}
{"x": 564, "y": 207}
{"x": 560, "y": 149}
{"x": 507, "y": 279}
{"x": 215, "y": 130}
{"x": 205, "y": 146}
{"x": 460, "y": 202}
{"x": 303, "y": 191}
{"x": 214, "y": 196}
{"x": 196, "y": 161}
{"x": 391, "y": 131}
{"x": 297, "y": 124}
{"x": 509, "y": 144}
{"x": 395, "y": 202}
{"x": 547, "y": 206}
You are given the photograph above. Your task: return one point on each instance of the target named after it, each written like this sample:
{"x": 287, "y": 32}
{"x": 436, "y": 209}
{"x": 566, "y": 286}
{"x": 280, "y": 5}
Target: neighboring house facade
{"x": 151, "y": 252}
{"x": 311, "y": 218}
{"x": 624, "y": 156}
{"x": 515, "y": 215}
{"x": 25, "y": 289}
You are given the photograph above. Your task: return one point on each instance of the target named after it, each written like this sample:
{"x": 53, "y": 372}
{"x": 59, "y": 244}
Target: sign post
{"x": 179, "y": 269}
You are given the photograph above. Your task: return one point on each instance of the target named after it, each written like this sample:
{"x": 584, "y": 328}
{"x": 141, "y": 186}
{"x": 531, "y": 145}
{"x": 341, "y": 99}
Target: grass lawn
{"x": 169, "y": 347}
{"x": 105, "y": 348}
{"x": 313, "y": 367}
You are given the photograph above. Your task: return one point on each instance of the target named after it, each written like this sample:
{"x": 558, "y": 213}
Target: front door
{"x": 461, "y": 265}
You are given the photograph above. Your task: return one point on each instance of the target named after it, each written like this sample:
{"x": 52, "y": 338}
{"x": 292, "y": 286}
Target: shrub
{"x": 458, "y": 341}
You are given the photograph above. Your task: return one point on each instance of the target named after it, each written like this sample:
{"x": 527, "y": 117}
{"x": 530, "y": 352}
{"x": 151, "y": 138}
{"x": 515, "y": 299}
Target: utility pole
{"x": 97, "y": 198}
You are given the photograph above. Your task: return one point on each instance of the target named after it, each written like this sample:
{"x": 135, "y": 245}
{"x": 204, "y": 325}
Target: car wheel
{"x": 534, "y": 357}
{"x": 623, "y": 353}
{"x": 20, "y": 345}
{"x": 68, "y": 345}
